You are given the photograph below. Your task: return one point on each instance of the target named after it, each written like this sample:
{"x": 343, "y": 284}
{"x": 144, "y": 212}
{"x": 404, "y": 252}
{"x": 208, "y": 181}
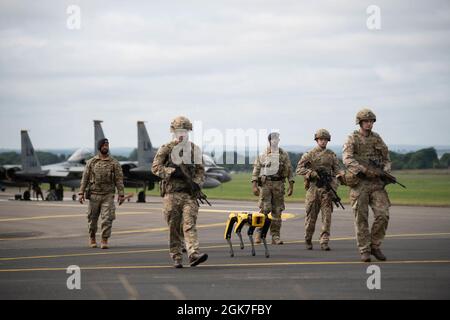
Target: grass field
{"x": 424, "y": 187}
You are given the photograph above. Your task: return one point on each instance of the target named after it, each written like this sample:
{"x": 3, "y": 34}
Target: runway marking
{"x": 65, "y": 216}
{"x": 224, "y": 265}
{"x": 206, "y": 247}
{"x": 150, "y": 205}
{"x": 113, "y": 233}
{"x": 99, "y": 253}
{"x": 402, "y": 235}
{"x": 83, "y": 215}
{"x": 132, "y": 292}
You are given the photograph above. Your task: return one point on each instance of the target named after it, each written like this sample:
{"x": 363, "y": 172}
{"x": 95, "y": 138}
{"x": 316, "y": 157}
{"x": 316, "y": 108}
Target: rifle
{"x": 385, "y": 176}
{"x": 194, "y": 188}
{"x": 325, "y": 181}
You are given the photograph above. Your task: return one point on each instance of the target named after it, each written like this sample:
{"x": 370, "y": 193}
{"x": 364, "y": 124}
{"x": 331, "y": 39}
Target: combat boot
{"x": 92, "y": 242}
{"x": 178, "y": 263}
{"x": 104, "y": 244}
{"x": 365, "y": 257}
{"x": 277, "y": 241}
{"x": 376, "y": 252}
{"x": 309, "y": 245}
{"x": 257, "y": 237}
{"x": 325, "y": 247}
{"x": 196, "y": 259}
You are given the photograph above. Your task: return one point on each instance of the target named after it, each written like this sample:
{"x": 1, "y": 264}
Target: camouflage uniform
{"x": 180, "y": 208}
{"x": 104, "y": 176}
{"x": 358, "y": 151}
{"x": 318, "y": 199}
{"x": 271, "y": 185}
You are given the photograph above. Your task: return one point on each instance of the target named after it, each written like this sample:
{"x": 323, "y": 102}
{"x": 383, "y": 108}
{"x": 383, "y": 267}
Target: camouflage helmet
{"x": 180, "y": 122}
{"x": 322, "y": 134}
{"x": 365, "y": 114}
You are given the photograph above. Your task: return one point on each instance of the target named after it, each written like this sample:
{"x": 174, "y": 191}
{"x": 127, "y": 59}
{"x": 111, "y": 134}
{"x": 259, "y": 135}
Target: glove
{"x": 168, "y": 171}
{"x": 313, "y": 175}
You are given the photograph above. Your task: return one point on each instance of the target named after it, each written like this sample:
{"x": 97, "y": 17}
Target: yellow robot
{"x": 254, "y": 220}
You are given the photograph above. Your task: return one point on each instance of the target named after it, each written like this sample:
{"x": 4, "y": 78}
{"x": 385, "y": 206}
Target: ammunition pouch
{"x": 349, "y": 179}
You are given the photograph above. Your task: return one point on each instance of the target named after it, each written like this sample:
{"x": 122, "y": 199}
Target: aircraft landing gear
{"x": 26, "y": 195}
{"x": 141, "y": 196}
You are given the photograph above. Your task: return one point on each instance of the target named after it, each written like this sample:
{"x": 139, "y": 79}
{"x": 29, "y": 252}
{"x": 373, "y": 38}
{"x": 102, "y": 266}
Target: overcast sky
{"x": 291, "y": 65}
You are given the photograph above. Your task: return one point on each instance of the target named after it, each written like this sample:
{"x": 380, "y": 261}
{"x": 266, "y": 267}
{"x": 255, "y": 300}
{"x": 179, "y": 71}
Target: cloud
{"x": 293, "y": 65}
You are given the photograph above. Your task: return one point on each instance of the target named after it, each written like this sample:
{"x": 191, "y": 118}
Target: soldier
{"x": 270, "y": 171}
{"x": 101, "y": 176}
{"x": 318, "y": 161}
{"x": 362, "y": 150}
{"x": 179, "y": 164}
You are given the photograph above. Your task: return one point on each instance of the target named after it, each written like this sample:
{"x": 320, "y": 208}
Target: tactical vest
{"x": 283, "y": 169}
{"x": 102, "y": 176}
{"x": 168, "y": 160}
{"x": 177, "y": 183}
{"x": 322, "y": 160}
{"x": 368, "y": 148}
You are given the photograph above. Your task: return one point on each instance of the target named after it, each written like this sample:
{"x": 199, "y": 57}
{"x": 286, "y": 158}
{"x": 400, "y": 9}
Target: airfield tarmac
{"x": 39, "y": 240}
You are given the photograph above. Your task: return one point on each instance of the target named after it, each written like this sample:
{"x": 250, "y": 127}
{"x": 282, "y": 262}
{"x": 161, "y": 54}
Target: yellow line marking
{"x": 81, "y": 215}
{"x": 285, "y": 216}
{"x": 206, "y": 247}
{"x": 114, "y": 232}
{"x": 262, "y": 264}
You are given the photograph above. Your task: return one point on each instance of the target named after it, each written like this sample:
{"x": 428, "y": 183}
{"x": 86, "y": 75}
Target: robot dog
{"x": 254, "y": 220}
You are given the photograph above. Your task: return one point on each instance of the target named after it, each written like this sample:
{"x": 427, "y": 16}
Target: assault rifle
{"x": 325, "y": 180}
{"x": 194, "y": 188}
{"x": 377, "y": 167}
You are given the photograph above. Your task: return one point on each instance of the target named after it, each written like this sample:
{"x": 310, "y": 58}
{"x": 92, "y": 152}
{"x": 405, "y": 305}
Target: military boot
{"x": 104, "y": 244}
{"x": 257, "y": 237}
{"x": 309, "y": 245}
{"x": 376, "y": 252}
{"x": 365, "y": 257}
{"x": 277, "y": 241}
{"x": 196, "y": 259}
{"x": 178, "y": 263}
{"x": 325, "y": 247}
{"x": 92, "y": 242}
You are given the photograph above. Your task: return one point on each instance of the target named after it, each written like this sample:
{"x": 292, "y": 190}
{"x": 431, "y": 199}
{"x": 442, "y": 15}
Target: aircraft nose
{"x": 211, "y": 183}
{"x": 225, "y": 176}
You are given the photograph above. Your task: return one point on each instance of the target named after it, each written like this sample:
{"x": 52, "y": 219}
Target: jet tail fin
{"x": 145, "y": 147}
{"x": 98, "y": 133}
{"x": 30, "y": 161}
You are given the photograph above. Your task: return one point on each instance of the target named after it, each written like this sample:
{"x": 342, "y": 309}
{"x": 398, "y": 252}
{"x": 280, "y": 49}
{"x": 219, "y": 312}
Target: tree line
{"x": 420, "y": 159}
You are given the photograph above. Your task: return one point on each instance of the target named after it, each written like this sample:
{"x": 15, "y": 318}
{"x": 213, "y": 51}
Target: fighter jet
{"x": 67, "y": 173}
{"x": 137, "y": 174}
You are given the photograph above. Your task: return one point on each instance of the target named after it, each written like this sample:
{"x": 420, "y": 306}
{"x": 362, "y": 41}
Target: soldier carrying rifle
{"x": 366, "y": 158}
{"x": 319, "y": 167}
{"x": 179, "y": 164}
